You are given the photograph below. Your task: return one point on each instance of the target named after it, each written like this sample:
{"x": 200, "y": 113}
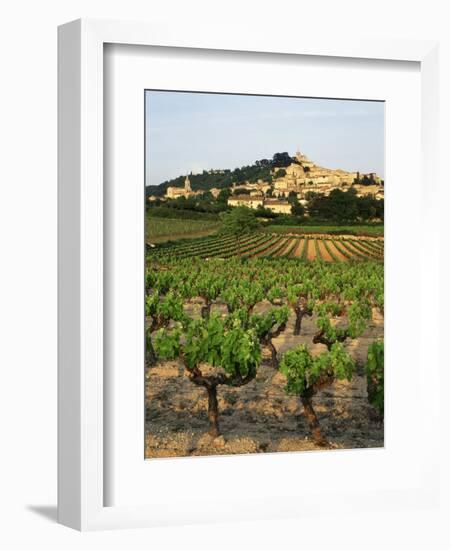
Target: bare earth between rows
{"x": 260, "y": 417}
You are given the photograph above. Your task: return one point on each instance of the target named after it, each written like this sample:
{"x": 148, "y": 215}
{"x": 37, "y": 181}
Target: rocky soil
{"x": 260, "y": 417}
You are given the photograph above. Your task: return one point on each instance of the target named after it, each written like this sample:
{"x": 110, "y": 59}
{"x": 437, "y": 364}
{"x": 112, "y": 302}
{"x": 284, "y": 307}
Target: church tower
{"x": 187, "y": 184}
{"x": 298, "y": 155}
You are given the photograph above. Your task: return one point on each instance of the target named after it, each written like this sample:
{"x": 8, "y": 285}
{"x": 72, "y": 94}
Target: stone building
{"x": 300, "y": 177}
{"x": 176, "y": 192}
{"x": 277, "y": 206}
{"x": 260, "y": 186}
{"x": 304, "y": 175}
{"x": 246, "y": 200}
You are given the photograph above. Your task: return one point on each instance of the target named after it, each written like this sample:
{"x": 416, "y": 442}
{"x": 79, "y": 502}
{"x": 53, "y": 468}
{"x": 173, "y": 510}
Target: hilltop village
{"x": 298, "y": 177}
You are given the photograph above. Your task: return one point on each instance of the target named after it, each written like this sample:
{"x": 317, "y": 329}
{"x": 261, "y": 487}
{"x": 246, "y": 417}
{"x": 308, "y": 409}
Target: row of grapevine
{"x": 333, "y": 249}
{"x": 232, "y": 342}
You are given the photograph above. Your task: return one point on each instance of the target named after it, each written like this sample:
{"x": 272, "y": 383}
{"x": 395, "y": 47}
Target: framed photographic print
{"x": 235, "y": 275}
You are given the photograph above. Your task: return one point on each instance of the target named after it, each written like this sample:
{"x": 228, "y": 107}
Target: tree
{"x": 367, "y": 207}
{"x": 262, "y": 212}
{"x": 367, "y": 179}
{"x": 380, "y": 209}
{"x": 311, "y": 195}
{"x": 232, "y": 351}
{"x": 345, "y": 206}
{"x": 238, "y": 222}
{"x": 281, "y": 160}
{"x": 280, "y": 173}
{"x": 341, "y": 206}
{"x": 206, "y": 196}
{"x": 298, "y": 209}
{"x": 224, "y": 195}
{"x": 306, "y": 375}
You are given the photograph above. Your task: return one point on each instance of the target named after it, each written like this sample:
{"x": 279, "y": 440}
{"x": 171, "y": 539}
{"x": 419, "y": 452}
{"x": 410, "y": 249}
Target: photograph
{"x": 264, "y": 273}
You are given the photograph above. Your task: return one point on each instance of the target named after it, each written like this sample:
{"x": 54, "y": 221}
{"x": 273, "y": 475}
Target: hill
{"x": 222, "y": 179}
{"x": 283, "y": 173}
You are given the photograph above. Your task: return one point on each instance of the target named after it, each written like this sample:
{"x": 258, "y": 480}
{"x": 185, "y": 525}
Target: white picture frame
{"x": 82, "y": 484}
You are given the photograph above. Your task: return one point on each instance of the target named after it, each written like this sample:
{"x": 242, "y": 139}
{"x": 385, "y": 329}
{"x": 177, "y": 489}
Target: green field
{"x": 362, "y": 230}
{"x": 159, "y": 230}
{"x": 327, "y": 248}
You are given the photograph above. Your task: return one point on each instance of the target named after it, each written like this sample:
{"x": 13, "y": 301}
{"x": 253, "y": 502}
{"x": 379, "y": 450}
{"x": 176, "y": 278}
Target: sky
{"x": 191, "y": 132}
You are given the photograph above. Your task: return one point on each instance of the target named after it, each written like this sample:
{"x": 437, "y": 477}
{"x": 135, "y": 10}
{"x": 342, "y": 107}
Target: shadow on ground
{"x": 50, "y": 513}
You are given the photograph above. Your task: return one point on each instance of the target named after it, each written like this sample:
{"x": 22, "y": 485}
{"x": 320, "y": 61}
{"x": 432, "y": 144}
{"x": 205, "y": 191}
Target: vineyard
{"x": 324, "y": 247}
{"x": 162, "y": 229}
{"x": 278, "y": 348}
{"x": 359, "y": 230}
